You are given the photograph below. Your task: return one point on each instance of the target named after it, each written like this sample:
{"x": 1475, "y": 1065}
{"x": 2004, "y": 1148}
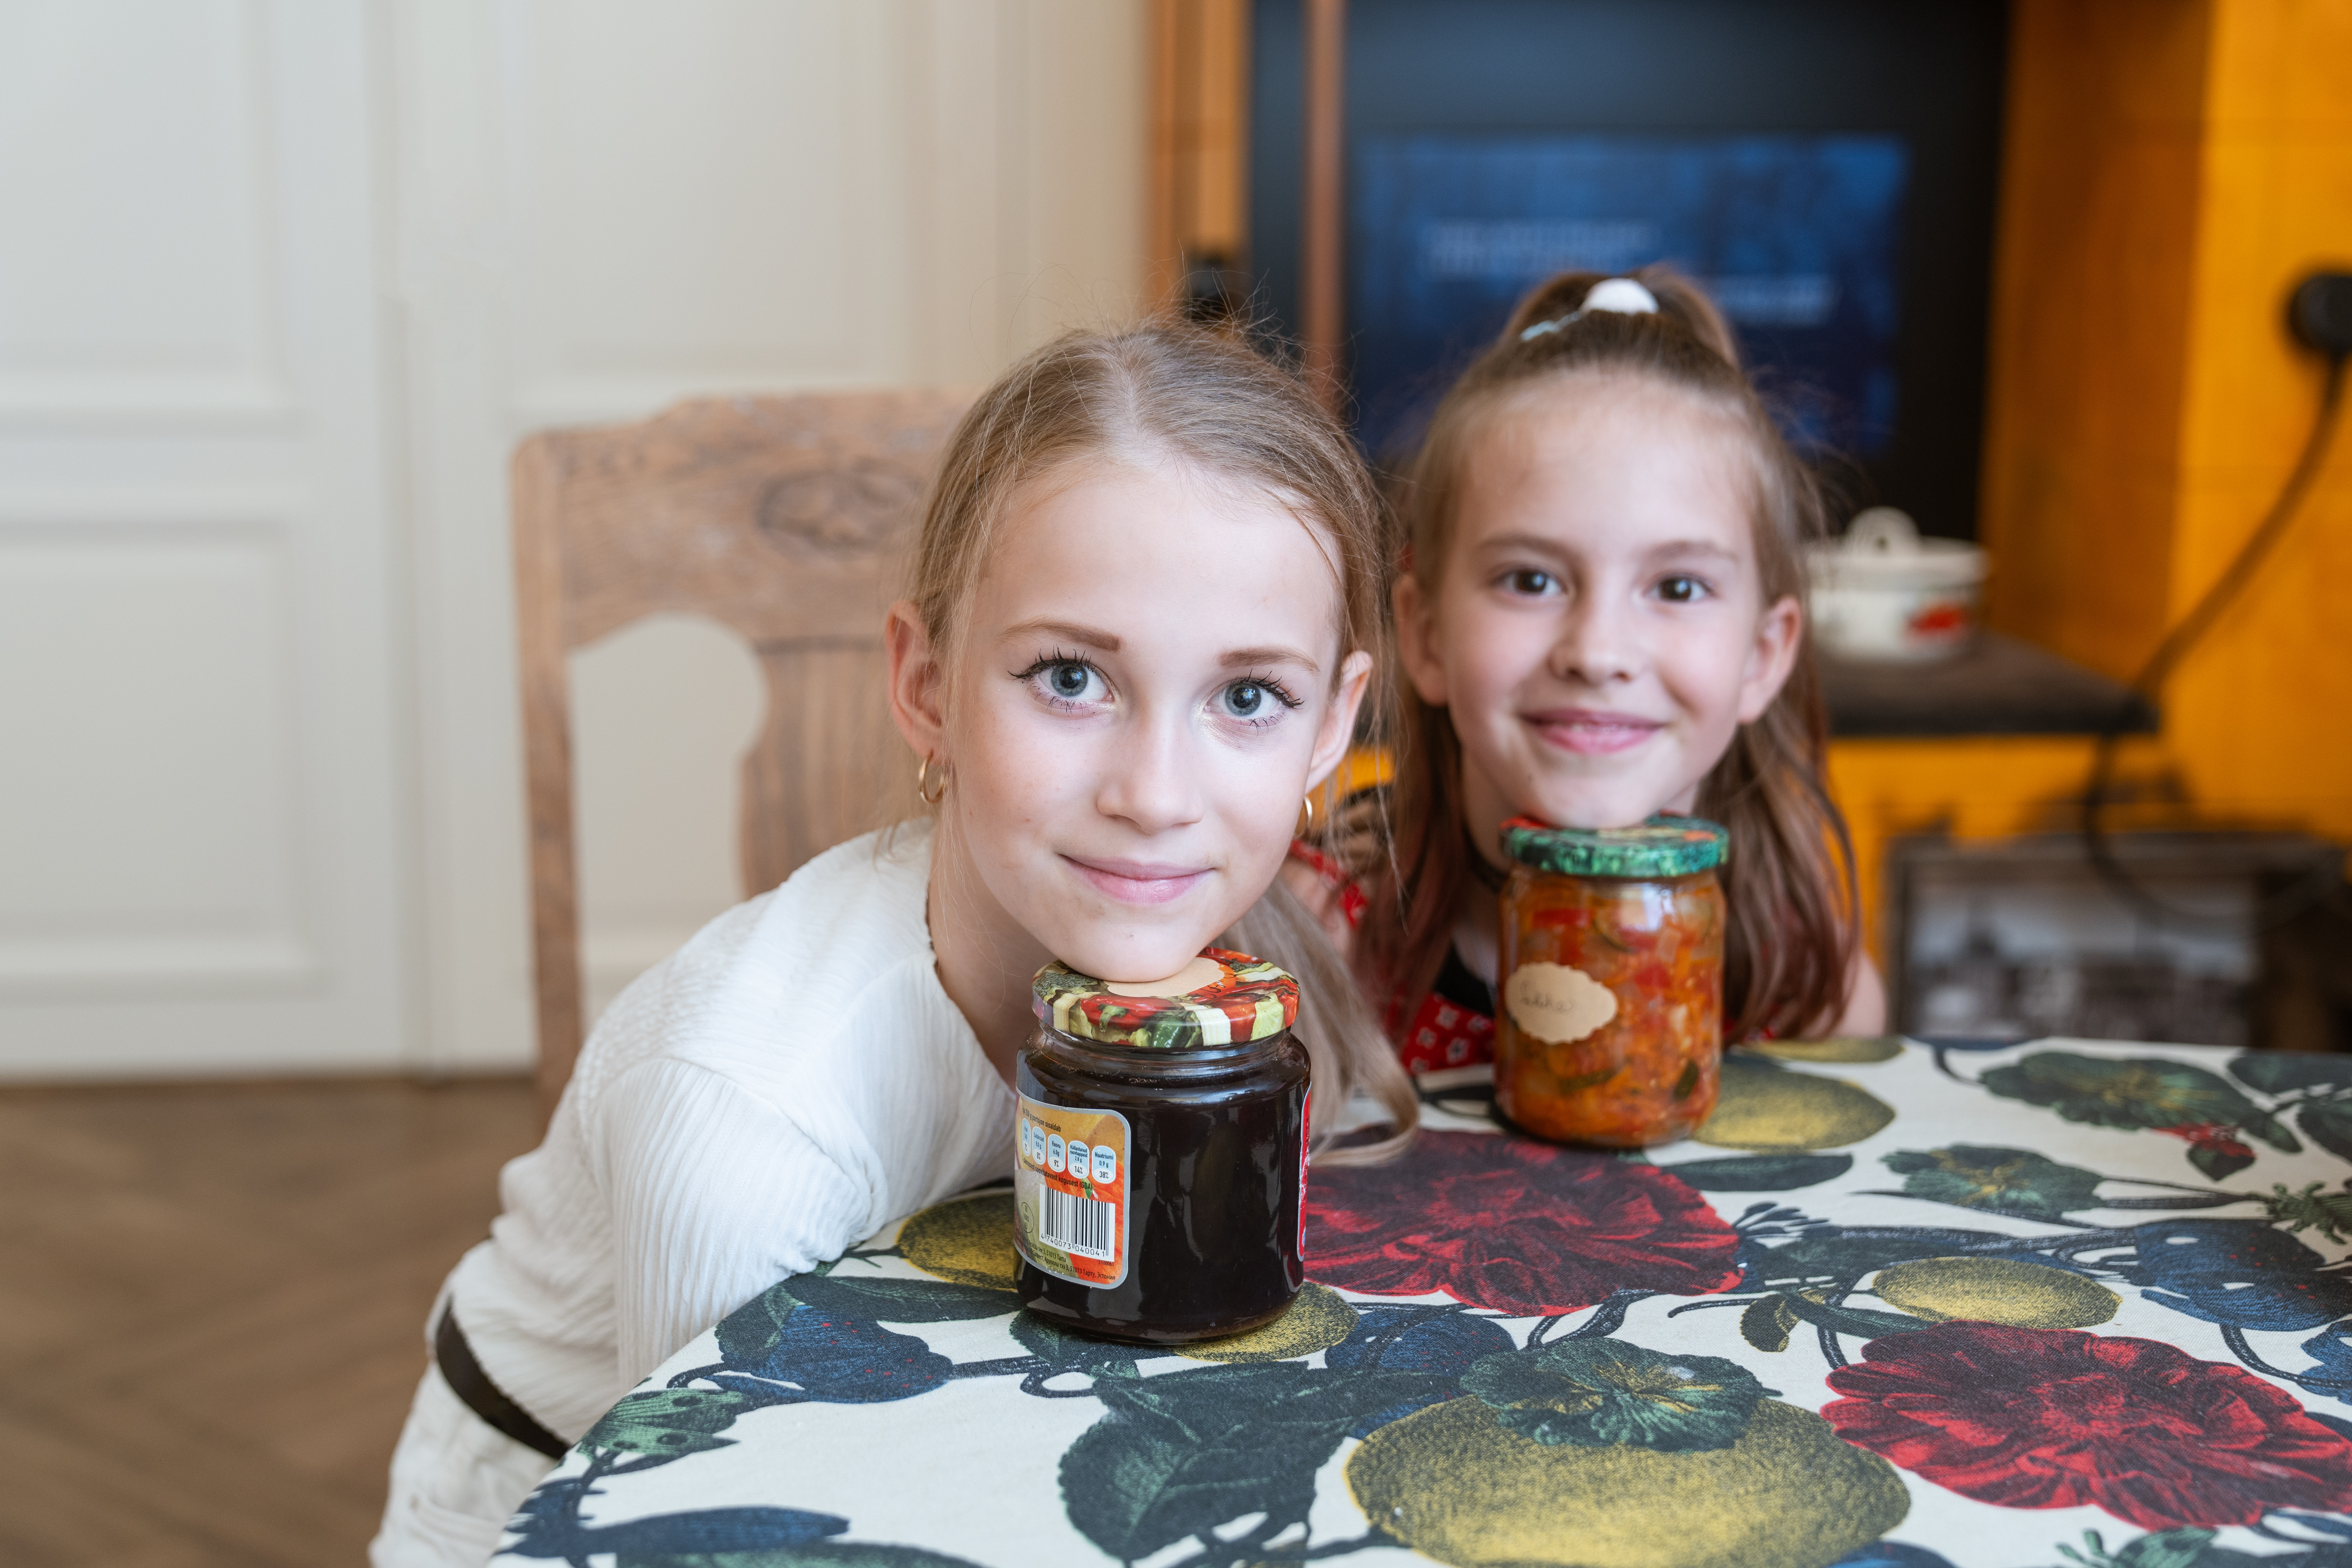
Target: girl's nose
{"x": 1147, "y": 780}
{"x": 1596, "y": 643}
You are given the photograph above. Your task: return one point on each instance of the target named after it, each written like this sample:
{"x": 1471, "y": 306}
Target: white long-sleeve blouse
{"x": 775, "y": 1091}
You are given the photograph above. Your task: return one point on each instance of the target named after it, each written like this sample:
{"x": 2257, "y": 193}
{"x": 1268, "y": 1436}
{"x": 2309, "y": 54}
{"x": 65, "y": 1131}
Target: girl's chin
{"x": 1624, "y": 804}
{"x": 1135, "y": 964}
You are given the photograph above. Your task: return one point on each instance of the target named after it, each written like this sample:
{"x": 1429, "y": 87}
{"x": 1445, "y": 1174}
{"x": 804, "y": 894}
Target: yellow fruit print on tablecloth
{"x": 1456, "y": 1485}
{"x": 968, "y": 1240}
{"x": 1995, "y": 1290}
{"x": 1770, "y": 1109}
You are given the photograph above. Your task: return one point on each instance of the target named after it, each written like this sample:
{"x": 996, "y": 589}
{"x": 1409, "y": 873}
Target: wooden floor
{"x": 211, "y": 1309}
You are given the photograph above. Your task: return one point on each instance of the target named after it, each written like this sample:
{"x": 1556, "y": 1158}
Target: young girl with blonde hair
{"x": 1145, "y": 608}
{"x": 1601, "y": 618}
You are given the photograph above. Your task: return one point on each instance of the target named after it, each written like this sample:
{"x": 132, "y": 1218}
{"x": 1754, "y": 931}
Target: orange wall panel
{"x": 2092, "y": 284}
{"x": 2254, "y": 718}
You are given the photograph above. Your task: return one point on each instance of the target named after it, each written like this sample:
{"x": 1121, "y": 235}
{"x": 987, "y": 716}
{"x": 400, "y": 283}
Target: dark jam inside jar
{"x": 1163, "y": 1151}
{"x": 1208, "y": 1186}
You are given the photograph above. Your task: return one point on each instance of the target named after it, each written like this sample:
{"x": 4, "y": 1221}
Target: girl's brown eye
{"x": 1529, "y": 581}
{"x": 1679, "y": 590}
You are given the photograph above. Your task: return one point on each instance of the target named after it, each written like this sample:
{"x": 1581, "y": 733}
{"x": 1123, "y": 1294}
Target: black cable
{"x": 2323, "y": 882}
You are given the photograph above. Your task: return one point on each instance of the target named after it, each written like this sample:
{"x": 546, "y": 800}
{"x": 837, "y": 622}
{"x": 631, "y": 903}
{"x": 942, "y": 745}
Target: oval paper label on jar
{"x": 1556, "y": 1004}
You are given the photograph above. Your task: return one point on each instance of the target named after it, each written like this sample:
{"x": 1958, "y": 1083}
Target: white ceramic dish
{"x": 1882, "y": 593}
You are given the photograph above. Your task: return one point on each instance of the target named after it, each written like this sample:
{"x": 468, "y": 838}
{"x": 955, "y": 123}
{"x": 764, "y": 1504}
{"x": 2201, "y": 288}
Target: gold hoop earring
{"x": 923, "y": 790}
{"x": 1306, "y": 817}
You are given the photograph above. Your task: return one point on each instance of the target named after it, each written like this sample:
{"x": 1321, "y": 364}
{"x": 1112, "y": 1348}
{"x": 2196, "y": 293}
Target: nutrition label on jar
{"x": 1070, "y": 1192}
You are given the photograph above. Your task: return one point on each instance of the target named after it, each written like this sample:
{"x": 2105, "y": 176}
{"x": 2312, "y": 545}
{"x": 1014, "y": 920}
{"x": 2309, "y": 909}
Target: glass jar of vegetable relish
{"x": 1609, "y": 1016}
{"x": 1162, "y": 1166}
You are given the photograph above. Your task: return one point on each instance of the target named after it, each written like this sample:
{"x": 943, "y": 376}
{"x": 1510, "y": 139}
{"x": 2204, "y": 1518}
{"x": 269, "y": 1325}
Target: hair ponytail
{"x": 1789, "y": 943}
{"x": 1680, "y": 300}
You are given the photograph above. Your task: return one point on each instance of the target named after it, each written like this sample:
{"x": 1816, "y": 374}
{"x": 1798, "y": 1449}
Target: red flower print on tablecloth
{"x": 2057, "y": 1419}
{"x": 1513, "y": 1225}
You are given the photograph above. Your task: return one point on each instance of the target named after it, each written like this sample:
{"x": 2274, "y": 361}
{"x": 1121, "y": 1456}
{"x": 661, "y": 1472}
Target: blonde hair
{"x": 1789, "y": 937}
{"x": 1167, "y": 389}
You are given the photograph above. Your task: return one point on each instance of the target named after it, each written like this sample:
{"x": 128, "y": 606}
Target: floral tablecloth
{"x": 2069, "y": 1304}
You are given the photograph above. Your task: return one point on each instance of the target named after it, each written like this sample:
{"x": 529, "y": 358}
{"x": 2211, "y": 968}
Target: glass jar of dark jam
{"x": 1161, "y": 1160}
{"x": 1608, "y": 1015}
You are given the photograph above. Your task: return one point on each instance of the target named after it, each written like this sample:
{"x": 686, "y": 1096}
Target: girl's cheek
{"x": 1491, "y": 658}
{"x": 1702, "y": 672}
{"x": 1014, "y": 765}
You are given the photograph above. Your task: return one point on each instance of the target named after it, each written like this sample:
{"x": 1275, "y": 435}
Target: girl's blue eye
{"x": 1065, "y": 682}
{"x": 1256, "y": 701}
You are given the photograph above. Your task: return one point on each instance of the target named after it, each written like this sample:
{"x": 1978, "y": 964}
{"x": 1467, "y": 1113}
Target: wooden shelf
{"x": 1998, "y": 687}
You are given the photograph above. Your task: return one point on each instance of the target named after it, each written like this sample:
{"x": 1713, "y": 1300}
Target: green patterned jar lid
{"x": 1238, "y": 999}
{"x": 1662, "y": 847}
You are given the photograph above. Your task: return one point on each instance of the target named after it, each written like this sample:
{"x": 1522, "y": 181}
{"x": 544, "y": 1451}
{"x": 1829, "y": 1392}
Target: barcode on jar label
{"x": 1082, "y": 1226}
{"x": 1070, "y": 1192}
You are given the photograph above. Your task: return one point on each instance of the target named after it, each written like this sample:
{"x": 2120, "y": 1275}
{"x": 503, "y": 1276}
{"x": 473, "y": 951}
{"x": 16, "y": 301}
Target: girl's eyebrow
{"x": 1537, "y": 544}
{"x": 1065, "y": 631}
{"x": 1237, "y": 658}
{"x": 1534, "y": 542}
{"x": 1109, "y": 642}
{"x": 1694, "y": 547}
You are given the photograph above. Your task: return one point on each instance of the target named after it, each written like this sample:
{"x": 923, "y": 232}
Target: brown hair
{"x": 1208, "y": 399}
{"x": 1789, "y": 943}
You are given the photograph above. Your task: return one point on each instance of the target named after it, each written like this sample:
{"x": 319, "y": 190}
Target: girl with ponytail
{"x": 1600, "y": 617}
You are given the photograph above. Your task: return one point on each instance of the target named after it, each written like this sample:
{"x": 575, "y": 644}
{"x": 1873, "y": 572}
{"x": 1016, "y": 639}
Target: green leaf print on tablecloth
{"x": 2020, "y": 1183}
{"x": 2005, "y": 1181}
{"x": 1184, "y": 1453}
{"x": 1761, "y": 1173}
{"x": 669, "y": 1421}
{"x": 2153, "y": 1093}
{"x": 814, "y": 1554}
{"x": 2329, "y": 1125}
{"x": 1594, "y": 1392}
{"x": 902, "y": 1300}
{"x": 1063, "y": 1350}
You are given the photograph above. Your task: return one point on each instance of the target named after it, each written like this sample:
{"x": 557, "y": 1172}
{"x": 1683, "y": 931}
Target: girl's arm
{"x": 1865, "y": 998}
{"x": 716, "y": 1196}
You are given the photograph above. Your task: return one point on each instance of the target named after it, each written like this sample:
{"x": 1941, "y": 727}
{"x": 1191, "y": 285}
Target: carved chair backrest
{"x": 787, "y": 518}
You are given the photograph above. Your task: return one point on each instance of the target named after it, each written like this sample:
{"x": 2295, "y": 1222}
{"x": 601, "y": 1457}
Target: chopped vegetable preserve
{"x": 1609, "y": 1027}
{"x": 1161, "y": 1163}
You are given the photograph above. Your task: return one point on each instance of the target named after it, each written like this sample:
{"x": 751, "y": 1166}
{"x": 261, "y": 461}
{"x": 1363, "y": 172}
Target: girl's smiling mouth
{"x": 1591, "y": 731}
{"x": 1138, "y": 881}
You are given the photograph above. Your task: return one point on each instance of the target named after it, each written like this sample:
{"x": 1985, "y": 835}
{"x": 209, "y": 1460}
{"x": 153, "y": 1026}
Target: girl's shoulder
{"x": 765, "y": 993}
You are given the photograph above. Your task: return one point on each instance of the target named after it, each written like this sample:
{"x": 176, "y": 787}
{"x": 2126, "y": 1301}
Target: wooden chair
{"x": 787, "y": 518}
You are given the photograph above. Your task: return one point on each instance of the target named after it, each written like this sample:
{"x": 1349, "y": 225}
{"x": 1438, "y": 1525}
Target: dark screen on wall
{"x": 1827, "y": 166}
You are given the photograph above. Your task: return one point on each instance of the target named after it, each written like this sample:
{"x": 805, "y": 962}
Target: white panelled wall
{"x": 280, "y": 285}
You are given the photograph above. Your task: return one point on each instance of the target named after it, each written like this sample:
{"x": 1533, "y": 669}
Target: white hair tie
{"x": 1620, "y": 296}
